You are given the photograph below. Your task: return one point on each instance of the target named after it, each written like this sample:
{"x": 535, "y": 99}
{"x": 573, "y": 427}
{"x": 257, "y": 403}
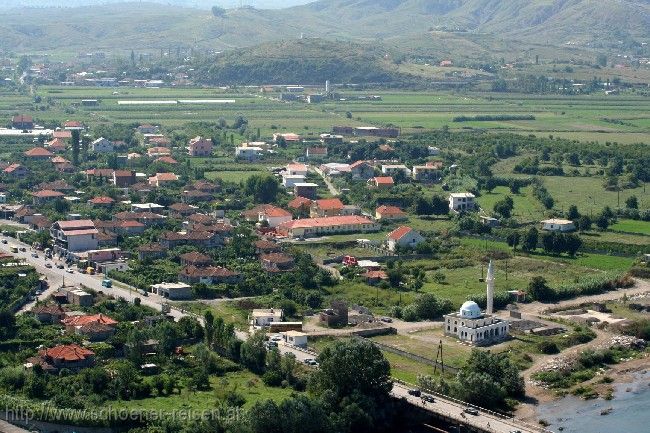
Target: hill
{"x": 306, "y": 61}
{"x": 573, "y": 23}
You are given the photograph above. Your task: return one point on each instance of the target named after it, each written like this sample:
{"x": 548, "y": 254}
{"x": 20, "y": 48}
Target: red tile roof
{"x": 84, "y": 320}
{"x": 69, "y": 353}
{"x": 76, "y": 224}
{"x": 329, "y": 203}
{"x": 390, "y": 211}
{"x": 299, "y": 202}
{"x": 166, "y": 160}
{"x": 101, "y": 200}
{"x": 39, "y": 152}
{"x": 274, "y": 212}
{"x": 326, "y": 222}
{"x": 384, "y": 180}
{"x": 47, "y": 193}
{"x": 399, "y": 233}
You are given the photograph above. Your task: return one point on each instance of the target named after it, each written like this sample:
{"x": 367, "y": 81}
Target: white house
{"x": 248, "y": 153}
{"x": 74, "y": 236}
{"x": 404, "y": 236}
{"x": 462, "y": 201}
{"x": 264, "y": 317}
{"x": 101, "y": 145}
{"x": 295, "y": 338}
{"x": 173, "y": 291}
{"x": 395, "y": 169}
{"x": 290, "y": 180}
{"x": 296, "y": 169}
{"x": 274, "y": 216}
{"x": 558, "y": 225}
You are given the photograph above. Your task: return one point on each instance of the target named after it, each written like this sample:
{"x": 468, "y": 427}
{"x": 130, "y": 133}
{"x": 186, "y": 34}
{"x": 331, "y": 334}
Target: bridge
{"x": 453, "y": 411}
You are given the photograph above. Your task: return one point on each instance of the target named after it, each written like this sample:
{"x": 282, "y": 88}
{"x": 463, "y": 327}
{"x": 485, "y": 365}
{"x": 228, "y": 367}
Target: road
{"x": 330, "y": 186}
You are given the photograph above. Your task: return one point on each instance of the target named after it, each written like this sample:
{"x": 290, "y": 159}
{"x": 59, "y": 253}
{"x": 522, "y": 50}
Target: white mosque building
{"x": 472, "y": 326}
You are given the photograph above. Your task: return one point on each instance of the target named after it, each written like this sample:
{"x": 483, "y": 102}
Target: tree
{"x": 439, "y": 205}
{"x": 572, "y": 244}
{"x": 548, "y": 242}
{"x": 253, "y": 352}
{"x": 513, "y": 239}
{"x": 352, "y": 367}
{"x": 7, "y": 325}
{"x": 538, "y": 290}
{"x": 530, "y": 240}
{"x": 584, "y": 223}
{"x": 602, "y": 222}
{"x": 208, "y": 322}
{"x": 573, "y": 213}
{"x": 632, "y": 202}
{"x": 504, "y": 207}
{"x": 601, "y": 60}
{"x": 262, "y": 187}
{"x": 75, "y": 147}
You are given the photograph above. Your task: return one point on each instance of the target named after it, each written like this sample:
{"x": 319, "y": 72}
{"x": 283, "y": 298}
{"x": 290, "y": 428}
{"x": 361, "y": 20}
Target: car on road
{"x": 415, "y": 392}
{"x": 35, "y": 255}
{"x": 308, "y": 361}
{"x": 471, "y": 411}
{"x": 60, "y": 266}
{"x": 515, "y": 431}
{"x": 48, "y": 265}
{"x": 386, "y": 320}
{"x": 107, "y": 283}
{"x": 4, "y": 241}
{"x": 69, "y": 271}
{"x": 23, "y": 249}
{"x": 428, "y": 398}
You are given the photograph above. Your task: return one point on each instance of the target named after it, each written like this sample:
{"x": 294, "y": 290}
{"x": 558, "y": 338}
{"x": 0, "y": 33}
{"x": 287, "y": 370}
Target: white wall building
{"x": 295, "y": 338}
{"x": 248, "y": 153}
{"x": 475, "y": 327}
{"x": 462, "y": 201}
{"x": 558, "y": 225}
{"x": 264, "y": 317}
{"x": 102, "y": 145}
{"x": 290, "y": 180}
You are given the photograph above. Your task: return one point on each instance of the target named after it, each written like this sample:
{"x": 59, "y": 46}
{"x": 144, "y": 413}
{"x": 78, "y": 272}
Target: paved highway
{"x": 56, "y": 277}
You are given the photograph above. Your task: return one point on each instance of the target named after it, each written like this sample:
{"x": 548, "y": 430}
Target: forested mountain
{"x": 581, "y": 23}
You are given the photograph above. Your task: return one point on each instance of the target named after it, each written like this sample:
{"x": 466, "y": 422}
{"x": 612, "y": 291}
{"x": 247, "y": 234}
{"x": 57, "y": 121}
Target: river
{"x": 630, "y": 411}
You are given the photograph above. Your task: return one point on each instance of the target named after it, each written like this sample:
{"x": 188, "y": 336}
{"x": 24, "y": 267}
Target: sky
{"x": 204, "y": 4}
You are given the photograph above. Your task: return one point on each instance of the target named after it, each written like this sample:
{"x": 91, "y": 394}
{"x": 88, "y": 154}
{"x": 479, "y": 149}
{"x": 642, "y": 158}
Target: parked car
{"x": 386, "y": 320}
{"x": 35, "y": 255}
{"x": 308, "y": 361}
{"x": 415, "y": 392}
{"x": 69, "y": 271}
{"x": 471, "y": 411}
{"x": 4, "y": 241}
{"x": 60, "y": 266}
{"x": 48, "y": 265}
{"x": 428, "y": 398}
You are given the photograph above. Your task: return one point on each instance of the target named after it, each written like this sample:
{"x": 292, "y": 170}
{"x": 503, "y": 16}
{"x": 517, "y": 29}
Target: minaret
{"x": 490, "y": 289}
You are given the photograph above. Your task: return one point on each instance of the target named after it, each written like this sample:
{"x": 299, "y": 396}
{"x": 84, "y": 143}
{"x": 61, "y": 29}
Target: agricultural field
{"x": 631, "y": 226}
{"x": 622, "y": 119}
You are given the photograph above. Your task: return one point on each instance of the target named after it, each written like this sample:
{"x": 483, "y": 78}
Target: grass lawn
{"x": 243, "y": 382}
{"x": 422, "y": 344}
{"x": 226, "y": 310}
{"x": 231, "y": 176}
{"x": 631, "y": 226}
{"x": 527, "y": 208}
{"x": 592, "y": 261}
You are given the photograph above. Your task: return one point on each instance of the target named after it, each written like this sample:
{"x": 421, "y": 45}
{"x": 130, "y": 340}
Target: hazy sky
{"x": 205, "y": 4}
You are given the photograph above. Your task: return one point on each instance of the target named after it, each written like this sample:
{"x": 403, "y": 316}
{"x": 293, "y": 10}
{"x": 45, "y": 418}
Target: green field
{"x": 630, "y": 226}
{"x": 579, "y": 117}
{"x": 245, "y": 383}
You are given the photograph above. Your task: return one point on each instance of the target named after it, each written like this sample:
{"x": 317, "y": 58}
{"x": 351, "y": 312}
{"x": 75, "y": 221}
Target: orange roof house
{"x": 39, "y": 153}
{"x": 326, "y": 207}
{"x": 382, "y": 182}
{"x": 385, "y": 213}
